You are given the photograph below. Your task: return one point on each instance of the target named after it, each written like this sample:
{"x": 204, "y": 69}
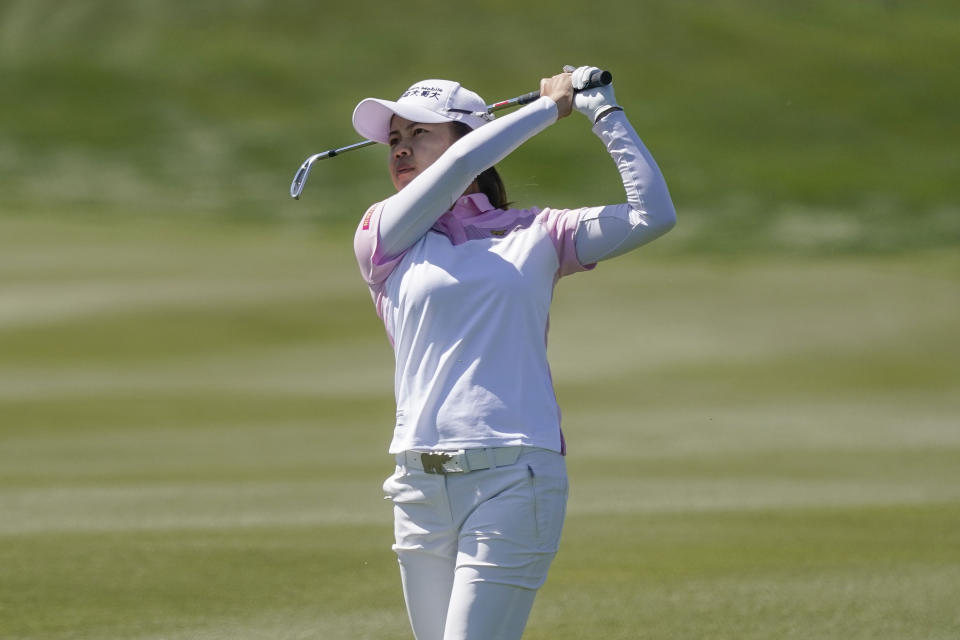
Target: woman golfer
{"x": 463, "y": 285}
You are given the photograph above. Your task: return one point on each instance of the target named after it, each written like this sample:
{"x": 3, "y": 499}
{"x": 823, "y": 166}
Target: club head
{"x": 296, "y": 187}
{"x": 300, "y": 179}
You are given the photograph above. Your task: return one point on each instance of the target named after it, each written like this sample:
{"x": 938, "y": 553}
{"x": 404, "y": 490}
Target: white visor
{"x": 426, "y": 101}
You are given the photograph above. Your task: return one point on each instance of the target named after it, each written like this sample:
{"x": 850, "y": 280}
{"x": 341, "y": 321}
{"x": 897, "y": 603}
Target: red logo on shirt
{"x": 366, "y": 218}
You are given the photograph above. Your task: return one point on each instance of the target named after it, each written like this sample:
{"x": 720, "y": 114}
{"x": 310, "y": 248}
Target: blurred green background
{"x": 763, "y": 407}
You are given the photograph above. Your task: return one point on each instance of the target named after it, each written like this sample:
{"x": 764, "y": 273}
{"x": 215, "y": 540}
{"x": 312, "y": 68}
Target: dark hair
{"x": 489, "y": 182}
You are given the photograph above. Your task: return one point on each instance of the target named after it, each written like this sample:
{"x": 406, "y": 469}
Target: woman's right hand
{"x": 559, "y": 88}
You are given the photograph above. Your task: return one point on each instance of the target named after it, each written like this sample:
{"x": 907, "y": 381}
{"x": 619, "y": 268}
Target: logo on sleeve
{"x": 366, "y": 218}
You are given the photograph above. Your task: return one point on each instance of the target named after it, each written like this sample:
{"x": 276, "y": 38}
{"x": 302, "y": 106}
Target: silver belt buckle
{"x": 442, "y": 462}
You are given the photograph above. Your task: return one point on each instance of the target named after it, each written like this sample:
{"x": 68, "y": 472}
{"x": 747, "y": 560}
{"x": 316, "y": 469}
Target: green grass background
{"x": 762, "y": 408}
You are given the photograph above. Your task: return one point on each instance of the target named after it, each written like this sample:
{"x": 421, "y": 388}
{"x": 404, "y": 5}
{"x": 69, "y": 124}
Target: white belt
{"x": 459, "y": 461}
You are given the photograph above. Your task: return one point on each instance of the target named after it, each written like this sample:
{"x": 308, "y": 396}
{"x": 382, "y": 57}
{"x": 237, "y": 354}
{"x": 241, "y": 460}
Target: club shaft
{"x": 526, "y": 98}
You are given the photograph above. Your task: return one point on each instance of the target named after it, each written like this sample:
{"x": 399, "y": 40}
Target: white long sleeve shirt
{"x": 464, "y": 289}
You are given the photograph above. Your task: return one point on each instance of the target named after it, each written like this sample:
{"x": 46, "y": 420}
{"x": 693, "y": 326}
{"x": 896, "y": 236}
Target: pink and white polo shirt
{"x": 466, "y": 308}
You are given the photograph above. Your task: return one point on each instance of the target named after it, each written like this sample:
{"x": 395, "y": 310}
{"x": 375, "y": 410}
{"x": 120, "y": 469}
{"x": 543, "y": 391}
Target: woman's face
{"x": 414, "y": 146}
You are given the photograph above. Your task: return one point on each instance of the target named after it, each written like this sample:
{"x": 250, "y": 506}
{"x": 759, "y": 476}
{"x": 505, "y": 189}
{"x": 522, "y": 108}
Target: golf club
{"x": 598, "y": 78}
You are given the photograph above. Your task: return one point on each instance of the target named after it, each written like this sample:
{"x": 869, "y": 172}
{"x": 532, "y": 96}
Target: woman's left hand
{"x": 559, "y": 88}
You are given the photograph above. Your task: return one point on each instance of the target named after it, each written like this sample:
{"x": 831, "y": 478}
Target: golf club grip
{"x": 527, "y": 98}
{"x": 598, "y": 78}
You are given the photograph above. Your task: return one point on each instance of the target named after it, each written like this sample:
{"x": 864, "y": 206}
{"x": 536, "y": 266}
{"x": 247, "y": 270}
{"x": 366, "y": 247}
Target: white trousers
{"x": 475, "y": 547}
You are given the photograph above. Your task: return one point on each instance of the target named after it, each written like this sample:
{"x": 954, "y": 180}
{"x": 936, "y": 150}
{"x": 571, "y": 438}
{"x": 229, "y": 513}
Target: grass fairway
{"x": 193, "y": 419}
{"x": 763, "y": 409}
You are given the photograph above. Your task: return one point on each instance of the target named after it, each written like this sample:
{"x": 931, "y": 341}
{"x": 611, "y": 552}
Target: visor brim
{"x": 371, "y": 118}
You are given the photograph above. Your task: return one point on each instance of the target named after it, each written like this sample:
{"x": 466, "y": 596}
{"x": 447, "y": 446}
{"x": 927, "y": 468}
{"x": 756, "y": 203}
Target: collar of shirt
{"x": 469, "y": 206}
{"x": 464, "y": 220}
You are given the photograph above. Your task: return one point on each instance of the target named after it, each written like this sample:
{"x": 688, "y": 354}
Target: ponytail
{"x": 489, "y": 182}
